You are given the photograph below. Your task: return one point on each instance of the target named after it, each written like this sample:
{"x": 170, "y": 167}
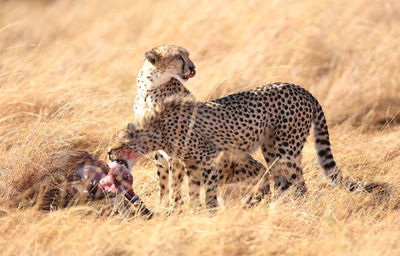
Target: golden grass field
{"x": 67, "y": 80}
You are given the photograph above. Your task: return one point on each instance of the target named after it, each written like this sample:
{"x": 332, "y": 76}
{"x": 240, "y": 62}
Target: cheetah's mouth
{"x": 190, "y": 75}
{"x": 122, "y": 162}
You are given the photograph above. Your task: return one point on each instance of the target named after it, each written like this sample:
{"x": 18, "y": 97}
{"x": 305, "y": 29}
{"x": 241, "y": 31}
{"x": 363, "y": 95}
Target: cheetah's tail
{"x": 328, "y": 164}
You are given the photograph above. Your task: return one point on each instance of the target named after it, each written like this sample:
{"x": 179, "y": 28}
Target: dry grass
{"x": 67, "y": 80}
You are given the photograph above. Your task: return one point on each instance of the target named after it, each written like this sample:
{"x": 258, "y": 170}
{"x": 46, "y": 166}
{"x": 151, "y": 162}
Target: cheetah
{"x": 276, "y": 118}
{"x": 74, "y": 177}
{"x": 162, "y": 75}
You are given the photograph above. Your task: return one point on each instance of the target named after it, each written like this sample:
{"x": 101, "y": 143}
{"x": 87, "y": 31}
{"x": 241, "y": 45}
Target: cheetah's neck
{"x": 148, "y": 78}
{"x": 152, "y": 90}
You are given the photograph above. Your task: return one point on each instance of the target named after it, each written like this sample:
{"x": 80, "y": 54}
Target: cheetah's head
{"x": 169, "y": 61}
{"x": 127, "y": 146}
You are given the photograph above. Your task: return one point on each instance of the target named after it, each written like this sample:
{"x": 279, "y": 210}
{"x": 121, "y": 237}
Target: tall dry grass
{"x": 67, "y": 80}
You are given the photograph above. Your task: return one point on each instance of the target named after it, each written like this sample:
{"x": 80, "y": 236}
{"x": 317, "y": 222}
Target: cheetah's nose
{"x": 192, "y": 68}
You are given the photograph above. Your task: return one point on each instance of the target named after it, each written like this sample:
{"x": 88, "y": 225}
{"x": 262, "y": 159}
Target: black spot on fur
{"x": 322, "y": 153}
{"x": 325, "y": 142}
{"x": 329, "y": 165}
{"x": 193, "y": 167}
{"x": 195, "y": 182}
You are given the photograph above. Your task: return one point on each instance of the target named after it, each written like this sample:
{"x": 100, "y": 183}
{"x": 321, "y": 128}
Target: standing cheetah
{"x": 276, "y": 117}
{"x": 162, "y": 75}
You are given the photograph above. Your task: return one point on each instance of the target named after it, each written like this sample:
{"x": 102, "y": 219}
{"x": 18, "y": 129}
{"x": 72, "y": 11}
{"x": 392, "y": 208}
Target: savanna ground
{"x": 67, "y": 80}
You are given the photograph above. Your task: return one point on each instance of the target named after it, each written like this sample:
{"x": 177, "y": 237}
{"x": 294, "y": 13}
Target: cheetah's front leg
{"x": 193, "y": 172}
{"x": 211, "y": 180}
{"x": 163, "y": 165}
{"x": 202, "y": 172}
{"x": 178, "y": 172}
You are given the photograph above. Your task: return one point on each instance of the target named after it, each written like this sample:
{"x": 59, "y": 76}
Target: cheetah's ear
{"x": 152, "y": 56}
{"x": 131, "y": 130}
{"x": 130, "y": 127}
